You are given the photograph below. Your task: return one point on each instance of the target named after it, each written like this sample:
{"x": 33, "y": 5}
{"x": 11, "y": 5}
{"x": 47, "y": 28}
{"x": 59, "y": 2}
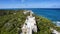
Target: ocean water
{"x": 50, "y": 13}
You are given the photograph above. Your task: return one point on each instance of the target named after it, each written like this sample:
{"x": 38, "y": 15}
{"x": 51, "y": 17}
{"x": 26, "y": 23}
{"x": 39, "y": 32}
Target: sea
{"x": 50, "y": 13}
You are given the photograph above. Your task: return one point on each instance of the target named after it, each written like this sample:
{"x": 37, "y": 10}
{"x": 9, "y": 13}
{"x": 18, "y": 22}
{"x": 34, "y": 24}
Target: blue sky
{"x": 29, "y": 4}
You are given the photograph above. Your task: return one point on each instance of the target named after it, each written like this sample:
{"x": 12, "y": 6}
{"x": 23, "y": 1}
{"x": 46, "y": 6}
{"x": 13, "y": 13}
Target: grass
{"x": 10, "y": 22}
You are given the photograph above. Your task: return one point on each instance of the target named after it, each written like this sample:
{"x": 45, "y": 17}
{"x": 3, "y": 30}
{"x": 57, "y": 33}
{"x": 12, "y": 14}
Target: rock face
{"x": 29, "y": 25}
{"x": 54, "y": 31}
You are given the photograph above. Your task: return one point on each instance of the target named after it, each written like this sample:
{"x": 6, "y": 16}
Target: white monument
{"x": 29, "y": 25}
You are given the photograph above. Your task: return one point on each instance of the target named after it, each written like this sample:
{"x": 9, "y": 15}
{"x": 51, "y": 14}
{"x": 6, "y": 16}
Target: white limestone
{"x": 54, "y": 31}
{"x": 26, "y": 11}
{"x": 29, "y": 25}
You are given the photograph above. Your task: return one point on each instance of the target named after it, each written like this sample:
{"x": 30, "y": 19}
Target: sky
{"x": 29, "y": 4}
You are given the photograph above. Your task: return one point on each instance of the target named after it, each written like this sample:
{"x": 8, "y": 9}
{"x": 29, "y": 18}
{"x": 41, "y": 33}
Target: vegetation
{"x": 11, "y": 20}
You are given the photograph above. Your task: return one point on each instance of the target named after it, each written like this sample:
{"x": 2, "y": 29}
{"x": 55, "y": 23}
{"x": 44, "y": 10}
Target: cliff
{"x": 11, "y": 22}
